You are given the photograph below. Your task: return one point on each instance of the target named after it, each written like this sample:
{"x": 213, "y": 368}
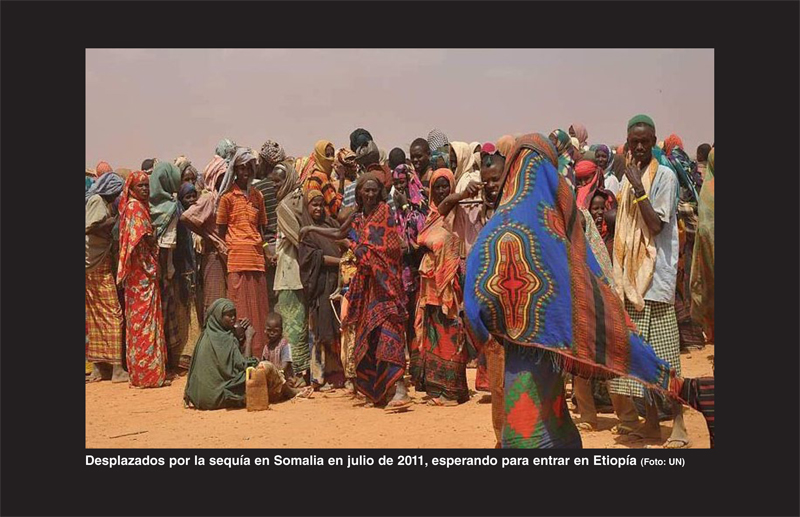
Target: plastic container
{"x": 256, "y": 393}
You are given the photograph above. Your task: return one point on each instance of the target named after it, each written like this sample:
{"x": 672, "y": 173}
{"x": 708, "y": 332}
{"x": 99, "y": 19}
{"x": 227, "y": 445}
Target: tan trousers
{"x": 623, "y": 405}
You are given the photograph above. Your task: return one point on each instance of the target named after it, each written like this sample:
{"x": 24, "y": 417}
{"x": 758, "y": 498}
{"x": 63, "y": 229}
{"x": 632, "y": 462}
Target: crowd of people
{"x": 541, "y": 260}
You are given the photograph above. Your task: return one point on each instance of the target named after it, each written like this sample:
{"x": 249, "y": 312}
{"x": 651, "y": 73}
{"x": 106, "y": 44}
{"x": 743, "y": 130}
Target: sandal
{"x": 586, "y": 426}
{"x": 442, "y": 403}
{"x": 305, "y": 393}
{"x": 681, "y": 444}
{"x": 397, "y": 405}
{"x": 622, "y": 429}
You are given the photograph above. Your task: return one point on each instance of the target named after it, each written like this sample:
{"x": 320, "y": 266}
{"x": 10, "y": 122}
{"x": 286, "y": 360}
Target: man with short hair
{"x": 396, "y": 157}
{"x": 702, "y": 159}
{"x": 420, "y": 155}
{"x": 645, "y": 266}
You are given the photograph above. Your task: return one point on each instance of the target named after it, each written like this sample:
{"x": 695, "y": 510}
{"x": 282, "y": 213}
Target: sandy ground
{"x": 121, "y": 417}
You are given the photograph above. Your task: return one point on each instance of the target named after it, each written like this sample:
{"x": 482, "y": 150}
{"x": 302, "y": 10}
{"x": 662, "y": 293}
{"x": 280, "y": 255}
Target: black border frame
{"x": 751, "y": 472}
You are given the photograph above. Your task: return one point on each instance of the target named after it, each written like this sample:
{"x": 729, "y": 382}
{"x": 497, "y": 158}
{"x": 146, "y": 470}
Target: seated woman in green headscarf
{"x": 216, "y": 377}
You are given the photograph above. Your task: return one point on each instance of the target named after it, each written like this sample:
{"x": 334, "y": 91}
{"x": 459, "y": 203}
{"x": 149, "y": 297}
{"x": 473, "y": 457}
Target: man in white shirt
{"x": 646, "y": 264}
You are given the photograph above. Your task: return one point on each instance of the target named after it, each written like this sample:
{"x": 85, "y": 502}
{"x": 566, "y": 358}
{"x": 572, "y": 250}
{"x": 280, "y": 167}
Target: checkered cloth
{"x": 103, "y": 316}
{"x": 658, "y": 325}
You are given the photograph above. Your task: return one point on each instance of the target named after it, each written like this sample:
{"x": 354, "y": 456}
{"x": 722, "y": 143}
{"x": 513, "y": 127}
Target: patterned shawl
{"x": 702, "y": 279}
{"x": 536, "y": 284}
{"x": 683, "y": 166}
{"x": 376, "y": 294}
{"x": 134, "y": 223}
{"x": 563, "y": 148}
{"x": 439, "y": 267}
{"x": 164, "y": 184}
{"x": 505, "y": 144}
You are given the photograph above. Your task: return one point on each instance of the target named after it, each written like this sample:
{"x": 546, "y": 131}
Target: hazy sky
{"x": 144, "y": 103}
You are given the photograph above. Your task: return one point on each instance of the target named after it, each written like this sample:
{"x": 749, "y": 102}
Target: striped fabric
{"x": 349, "y": 198}
{"x": 243, "y": 215}
{"x": 268, "y": 190}
{"x": 699, "y": 394}
{"x": 319, "y": 181}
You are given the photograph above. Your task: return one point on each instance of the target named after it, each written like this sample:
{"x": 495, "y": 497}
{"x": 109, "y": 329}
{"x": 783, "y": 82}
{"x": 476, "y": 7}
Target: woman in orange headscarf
{"x": 138, "y": 273}
{"x": 316, "y": 175}
{"x": 439, "y": 354}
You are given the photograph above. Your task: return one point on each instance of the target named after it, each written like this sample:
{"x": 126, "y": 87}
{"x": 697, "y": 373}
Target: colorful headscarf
{"x": 414, "y": 185}
{"x": 441, "y": 173}
{"x": 437, "y": 140}
{"x": 610, "y": 204}
{"x": 672, "y": 141}
{"x": 505, "y": 144}
{"x": 164, "y": 185}
{"x": 321, "y": 162}
{"x": 272, "y": 152}
{"x": 563, "y": 142}
{"x": 585, "y": 169}
{"x": 603, "y": 147}
{"x": 345, "y": 162}
{"x": 185, "y": 190}
{"x": 564, "y": 148}
{"x": 102, "y": 168}
{"x": 581, "y": 134}
{"x": 488, "y": 148}
{"x": 685, "y": 169}
{"x": 537, "y": 284}
{"x": 134, "y": 222}
{"x": 109, "y": 184}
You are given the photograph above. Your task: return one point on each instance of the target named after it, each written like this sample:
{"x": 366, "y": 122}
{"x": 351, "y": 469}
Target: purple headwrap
{"x": 414, "y": 185}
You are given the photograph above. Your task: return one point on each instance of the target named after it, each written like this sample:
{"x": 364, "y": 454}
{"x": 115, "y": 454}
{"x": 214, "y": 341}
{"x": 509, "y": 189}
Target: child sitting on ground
{"x": 277, "y": 361}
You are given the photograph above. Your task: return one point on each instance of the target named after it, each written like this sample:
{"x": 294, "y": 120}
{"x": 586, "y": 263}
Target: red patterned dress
{"x": 138, "y": 272}
{"x": 439, "y": 354}
{"x": 377, "y": 304}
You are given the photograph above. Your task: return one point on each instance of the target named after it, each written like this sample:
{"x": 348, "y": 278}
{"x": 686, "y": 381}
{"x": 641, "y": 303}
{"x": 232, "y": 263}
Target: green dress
{"x": 217, "y": 374}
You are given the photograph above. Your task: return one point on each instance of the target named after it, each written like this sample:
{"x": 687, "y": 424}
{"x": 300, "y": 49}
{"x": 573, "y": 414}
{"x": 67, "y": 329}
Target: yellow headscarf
{"x": 323, "y": 163}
